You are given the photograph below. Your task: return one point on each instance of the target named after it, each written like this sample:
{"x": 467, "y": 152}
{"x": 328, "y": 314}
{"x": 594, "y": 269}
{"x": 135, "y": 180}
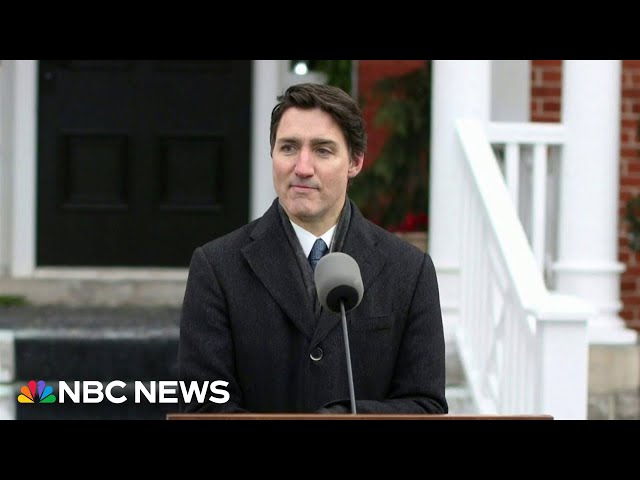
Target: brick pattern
{"x": 629, "y": 187}
{"x": 546, "y": 90}
{"x": 369, "y": 72}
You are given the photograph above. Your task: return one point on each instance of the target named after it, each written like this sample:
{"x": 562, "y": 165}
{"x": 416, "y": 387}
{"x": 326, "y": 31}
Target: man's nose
{"x": 304, "y": 163}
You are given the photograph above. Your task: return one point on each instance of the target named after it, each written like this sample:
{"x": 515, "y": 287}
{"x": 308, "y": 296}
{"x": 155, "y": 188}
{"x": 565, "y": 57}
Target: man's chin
{"x": 305, "y": 215}
{"x": 300, "y": 208}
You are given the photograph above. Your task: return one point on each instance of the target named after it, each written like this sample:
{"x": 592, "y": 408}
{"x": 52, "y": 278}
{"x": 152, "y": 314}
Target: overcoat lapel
{"x": 272, "y": 259}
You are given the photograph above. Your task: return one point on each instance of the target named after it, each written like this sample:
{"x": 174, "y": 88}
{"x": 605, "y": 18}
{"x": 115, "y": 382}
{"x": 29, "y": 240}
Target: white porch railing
{"x": 530, "y": 159}
{"x": 523, "y": 348}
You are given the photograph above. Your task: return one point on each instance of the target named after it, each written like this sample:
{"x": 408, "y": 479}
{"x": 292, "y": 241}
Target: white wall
{"x": 510, "y": 90}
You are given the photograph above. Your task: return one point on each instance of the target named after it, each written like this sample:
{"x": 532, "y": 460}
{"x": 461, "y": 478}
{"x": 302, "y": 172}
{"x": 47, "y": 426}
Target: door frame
{"x": 18, "y": 140}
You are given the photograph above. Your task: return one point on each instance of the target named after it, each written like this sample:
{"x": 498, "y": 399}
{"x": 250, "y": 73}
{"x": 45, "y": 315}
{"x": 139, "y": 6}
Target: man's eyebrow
{"x": 288, "y": 140}
{"x": 323, "y": 141}
{"x": 314, "y": 141}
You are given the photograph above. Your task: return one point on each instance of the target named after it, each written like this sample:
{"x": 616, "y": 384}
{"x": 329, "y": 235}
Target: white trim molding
{"x": 25, "y": 118}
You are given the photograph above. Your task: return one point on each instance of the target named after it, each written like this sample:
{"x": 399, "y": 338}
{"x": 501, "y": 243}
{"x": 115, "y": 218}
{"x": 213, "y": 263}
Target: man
{"x": 251, "y": 316}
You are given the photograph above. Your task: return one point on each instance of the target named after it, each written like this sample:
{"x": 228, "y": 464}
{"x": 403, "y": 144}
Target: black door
{"x": 140, "y": 161}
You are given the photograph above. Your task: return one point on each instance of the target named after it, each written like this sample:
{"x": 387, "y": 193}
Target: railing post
{"x": 562, "y": 357}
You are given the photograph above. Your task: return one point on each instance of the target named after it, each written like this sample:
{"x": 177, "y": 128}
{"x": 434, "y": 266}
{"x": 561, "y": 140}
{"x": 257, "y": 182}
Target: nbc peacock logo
{"x": 36, "y": 392}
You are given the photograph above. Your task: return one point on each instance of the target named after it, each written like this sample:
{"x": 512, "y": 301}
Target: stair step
{"x": 97, "y": 344}
{"x": 107, "y": 287}
{"x": 103, "y": 359}
{"x": 460, "y": 401}
{"x": 454, "y": 369}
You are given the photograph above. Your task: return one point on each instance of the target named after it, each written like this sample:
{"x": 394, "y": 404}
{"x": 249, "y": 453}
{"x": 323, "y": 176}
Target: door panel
{"x": 140, "y": 161}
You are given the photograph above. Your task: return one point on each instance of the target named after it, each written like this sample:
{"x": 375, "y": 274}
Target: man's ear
{"x": 356, "y": 165}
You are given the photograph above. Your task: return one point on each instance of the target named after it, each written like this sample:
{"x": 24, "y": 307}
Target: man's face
{"x": 311, "y": 168}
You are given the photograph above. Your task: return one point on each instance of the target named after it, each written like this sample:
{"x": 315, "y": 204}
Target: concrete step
{"x": 458, "y": 394}
{"x": 105, "y": 287}
{"x": 71, "y": 343}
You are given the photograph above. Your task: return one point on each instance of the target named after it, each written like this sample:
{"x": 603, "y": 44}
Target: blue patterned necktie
{"x": 317, "y": 252}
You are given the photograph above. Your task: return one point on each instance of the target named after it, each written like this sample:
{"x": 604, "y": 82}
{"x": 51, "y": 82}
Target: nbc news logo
{"x": 36, "y": 392}
{"x": 92, "y": 391}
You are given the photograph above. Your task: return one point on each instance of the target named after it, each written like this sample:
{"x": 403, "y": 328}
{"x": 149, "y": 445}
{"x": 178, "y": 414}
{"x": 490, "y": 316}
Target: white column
{"x": 460, "y": 89}
{"x": 5, "y": 171}
{"x": 24, "y": 118}
{"x": 267, "y": 80}
{"x": 588, "y": 212}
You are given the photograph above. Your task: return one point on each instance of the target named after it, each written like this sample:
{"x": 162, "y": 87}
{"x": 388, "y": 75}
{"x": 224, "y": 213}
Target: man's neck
{"x": 318, "y": 228}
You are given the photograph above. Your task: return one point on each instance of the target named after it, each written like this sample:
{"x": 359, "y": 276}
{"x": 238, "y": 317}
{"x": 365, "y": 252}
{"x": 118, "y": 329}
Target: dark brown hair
{"x": 332, "y": 100}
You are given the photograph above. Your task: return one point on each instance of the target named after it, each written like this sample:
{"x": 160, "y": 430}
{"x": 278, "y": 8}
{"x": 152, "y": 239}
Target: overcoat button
{"x": 316, "y": 354}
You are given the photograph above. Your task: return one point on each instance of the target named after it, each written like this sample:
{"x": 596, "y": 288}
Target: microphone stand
{"x": 352, "y": 394}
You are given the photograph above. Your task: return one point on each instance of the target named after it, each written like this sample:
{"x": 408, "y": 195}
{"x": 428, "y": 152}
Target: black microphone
{"x": 340, "y": 289}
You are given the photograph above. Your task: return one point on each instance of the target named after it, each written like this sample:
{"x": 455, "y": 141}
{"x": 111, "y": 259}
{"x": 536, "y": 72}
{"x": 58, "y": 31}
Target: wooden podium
{"x": 347, "y": 416}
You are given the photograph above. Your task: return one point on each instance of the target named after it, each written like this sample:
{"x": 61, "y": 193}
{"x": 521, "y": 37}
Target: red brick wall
{"x": 369, "y": 72}
{"x": 546, "y": 90}
{"x": 546, "y": 96}
{"x": 629, "y": 187}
